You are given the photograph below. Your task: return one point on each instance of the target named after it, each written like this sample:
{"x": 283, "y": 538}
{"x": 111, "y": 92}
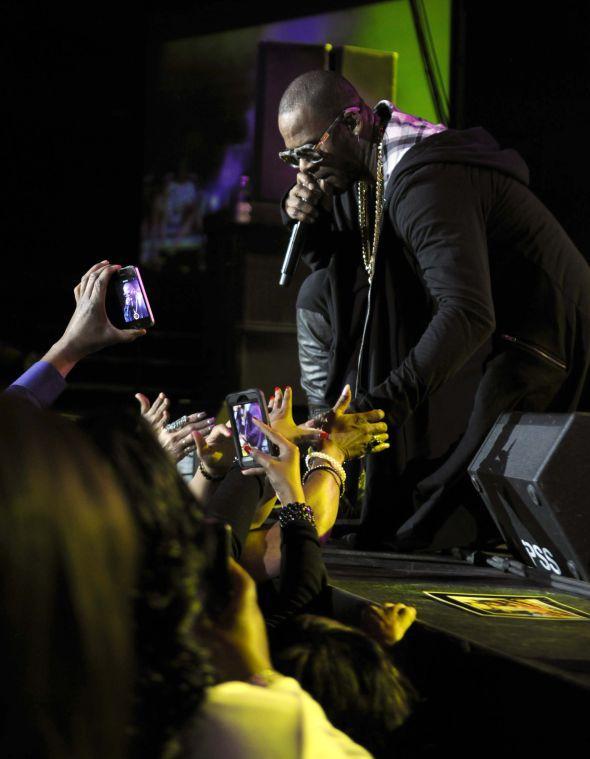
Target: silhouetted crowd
{"x": 146, "y": 616}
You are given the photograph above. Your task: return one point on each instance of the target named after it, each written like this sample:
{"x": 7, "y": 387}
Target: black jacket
{"x": 467, "y": 255}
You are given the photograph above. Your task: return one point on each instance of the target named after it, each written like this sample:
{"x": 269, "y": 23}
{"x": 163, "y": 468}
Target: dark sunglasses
{"x": 310, "y": 152}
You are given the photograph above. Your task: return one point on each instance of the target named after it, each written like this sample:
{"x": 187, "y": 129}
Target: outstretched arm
{"x": 88, "y": 330}
{"x": 347, "y": 437}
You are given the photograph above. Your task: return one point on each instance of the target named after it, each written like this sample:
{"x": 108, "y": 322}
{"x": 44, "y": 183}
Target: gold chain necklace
{"x": 362, "y": 198}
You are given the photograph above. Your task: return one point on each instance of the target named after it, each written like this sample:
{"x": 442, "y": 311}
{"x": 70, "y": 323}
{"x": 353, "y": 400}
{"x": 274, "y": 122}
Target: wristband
{"x": 207, "y": 476}
{"x": 293, "y": 512}
{"x": 325, "y": 457}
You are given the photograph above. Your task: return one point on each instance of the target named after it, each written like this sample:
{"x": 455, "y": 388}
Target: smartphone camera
{"x": 129, "y": 306}
{"x": 243, "y": 408}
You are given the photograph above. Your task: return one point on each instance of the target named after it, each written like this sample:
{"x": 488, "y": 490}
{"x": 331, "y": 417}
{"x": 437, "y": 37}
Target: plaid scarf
{"x": 402, "y": 132}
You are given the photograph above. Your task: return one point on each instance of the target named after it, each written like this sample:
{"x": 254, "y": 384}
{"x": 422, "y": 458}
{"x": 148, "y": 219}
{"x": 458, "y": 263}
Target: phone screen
{"x": 248, "y": 432}
{"x": 130, "y": 294}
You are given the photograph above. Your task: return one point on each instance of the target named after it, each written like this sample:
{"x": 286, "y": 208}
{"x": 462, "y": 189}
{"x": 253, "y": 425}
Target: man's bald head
{"x": 324, "y": 93}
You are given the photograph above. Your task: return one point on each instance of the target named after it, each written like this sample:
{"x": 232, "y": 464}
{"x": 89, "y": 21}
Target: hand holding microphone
{"x": 305, "y": 197}
{"x": 301, "y": 205}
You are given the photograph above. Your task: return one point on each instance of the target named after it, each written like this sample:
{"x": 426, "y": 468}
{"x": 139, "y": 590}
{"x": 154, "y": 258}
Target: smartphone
{"x": 216, "y": 577}
{"x": 243, "y": 407}
{"x": 129, "y": 305}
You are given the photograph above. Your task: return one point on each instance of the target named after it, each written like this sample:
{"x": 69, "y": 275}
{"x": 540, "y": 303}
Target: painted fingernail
{"x": 211, "y": 420}
{"x": 325, "y": 435}
{"x": 247, "y": 448}
{"x": 271, "y": 399}
{"x": 277, "y": 389}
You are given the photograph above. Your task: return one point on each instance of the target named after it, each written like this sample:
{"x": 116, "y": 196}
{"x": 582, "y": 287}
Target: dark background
{"x": 74, "y": 96}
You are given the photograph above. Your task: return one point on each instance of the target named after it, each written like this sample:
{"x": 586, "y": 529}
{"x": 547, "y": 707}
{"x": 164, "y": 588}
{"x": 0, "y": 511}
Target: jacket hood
{"x": 475, "y": 147}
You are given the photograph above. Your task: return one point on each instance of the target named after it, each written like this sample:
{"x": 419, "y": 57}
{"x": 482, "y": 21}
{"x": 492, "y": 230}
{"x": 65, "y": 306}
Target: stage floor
{"x": 558, "y": 647}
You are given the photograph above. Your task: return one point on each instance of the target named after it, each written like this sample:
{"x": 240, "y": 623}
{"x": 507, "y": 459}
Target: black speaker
{"x": 533, "y": 473}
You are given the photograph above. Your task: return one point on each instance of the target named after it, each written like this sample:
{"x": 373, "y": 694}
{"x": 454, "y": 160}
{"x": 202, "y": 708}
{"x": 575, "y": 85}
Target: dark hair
{"x": 325, "y": 92}
{"x": 172, "y": 669}
{"x": 349, "y": 674}
{"x": 67, "y": 563}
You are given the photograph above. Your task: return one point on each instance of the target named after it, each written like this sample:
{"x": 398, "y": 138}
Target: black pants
{"x": 448, "y": 511}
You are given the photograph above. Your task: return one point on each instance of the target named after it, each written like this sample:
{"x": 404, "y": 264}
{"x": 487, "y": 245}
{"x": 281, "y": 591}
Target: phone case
{"x": 243, "y": 428}
{"x": 135, "y": 308}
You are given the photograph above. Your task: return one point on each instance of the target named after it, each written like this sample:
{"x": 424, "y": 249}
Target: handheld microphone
{"x": 293, "y": 254}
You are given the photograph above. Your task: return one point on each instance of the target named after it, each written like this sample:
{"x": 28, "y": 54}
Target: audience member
{"x": 172, "y": 668}
{"x": 344, "y": 669}
{"x": 204, "y": 684}
{"x": 254, "y": 711}
{"x": 89, "y": 330}
{"x": 344, "y": 436}
{"x": 350, "y": 675}
{"x": 173, "y": 637}
{"x": 67, "y": 566}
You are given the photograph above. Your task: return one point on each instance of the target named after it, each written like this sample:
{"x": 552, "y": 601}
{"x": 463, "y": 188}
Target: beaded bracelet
{"x": 325, "y": 468}
{"x": 207, "y": 476}
{"x": 293, "y": 512}
{"x": 325, "y": 457}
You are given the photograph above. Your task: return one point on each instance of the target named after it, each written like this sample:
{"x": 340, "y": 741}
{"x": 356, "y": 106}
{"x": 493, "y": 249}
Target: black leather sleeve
{"x": 314, "y": 338}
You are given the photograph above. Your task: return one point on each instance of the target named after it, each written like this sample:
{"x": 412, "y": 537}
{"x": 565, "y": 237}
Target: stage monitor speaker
{"x": 533, "y": 473}
{"x": 373, "y": 72}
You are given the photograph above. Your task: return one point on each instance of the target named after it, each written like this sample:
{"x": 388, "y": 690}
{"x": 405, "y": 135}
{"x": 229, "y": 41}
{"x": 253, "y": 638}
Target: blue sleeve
{"x": 41, "y": 385}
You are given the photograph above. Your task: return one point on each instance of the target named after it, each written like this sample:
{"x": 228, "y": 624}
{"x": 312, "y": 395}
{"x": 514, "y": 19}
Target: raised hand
{"x": 237, "y": 639}
{"x": 89, "y": 328}
{"x": 283, "y": 471}
{"x": 357, "y": 433}
{"x": 155, "y": 413}
{"x": 305, "y": 197}
{"x": 387, "y": 623}
{"x": 281, "y": 419}
{"x": 179, "y": 442}
{"x": 216, "y": 451}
